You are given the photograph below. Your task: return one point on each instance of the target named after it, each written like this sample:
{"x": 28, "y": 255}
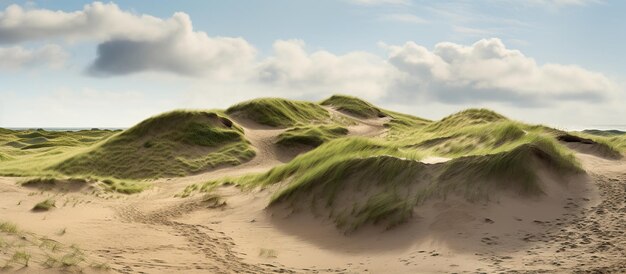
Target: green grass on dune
{"x": 32, "y": 152}
{"x": 516, "y": 169}
{"x": 356, "y": 181}
{"x": 466, "y": 118}
{"x": 609, "y": 142}
{"x": 278, "y": 112}
{"x": 606, "y": 133}
{"x": 354, "y": 106}
{"x": 176, "y": 143}
{"x": 313, "y": 135}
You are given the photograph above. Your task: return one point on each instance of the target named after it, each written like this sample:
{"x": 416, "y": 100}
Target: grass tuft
{"x": 45, "y": 205}
{"x": 8, "y": 227}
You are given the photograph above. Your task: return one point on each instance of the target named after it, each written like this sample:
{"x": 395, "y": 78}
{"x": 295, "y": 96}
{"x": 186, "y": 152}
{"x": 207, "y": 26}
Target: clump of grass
{"x": 100, "y": 266}
{"x": 188, "y": 191}
{"x": 74, "y": 257}
{"x": 44, "y": 205}
{"x": 312, "y": 135}
{"x": 277, "y": 112}
{"x": 21, "y": 257}
{"x": 267, "y": 253}
{"x": 354, "y": 106}
{"x": 8, "y": 227}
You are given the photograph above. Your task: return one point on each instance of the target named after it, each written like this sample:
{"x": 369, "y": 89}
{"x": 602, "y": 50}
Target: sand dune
{"x": 577, "y": 225}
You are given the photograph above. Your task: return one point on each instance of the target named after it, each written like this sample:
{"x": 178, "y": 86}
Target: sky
{"x": 113, "y": 64}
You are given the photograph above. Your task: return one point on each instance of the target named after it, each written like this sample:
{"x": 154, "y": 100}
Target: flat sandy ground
{"x": 576, "y": 227}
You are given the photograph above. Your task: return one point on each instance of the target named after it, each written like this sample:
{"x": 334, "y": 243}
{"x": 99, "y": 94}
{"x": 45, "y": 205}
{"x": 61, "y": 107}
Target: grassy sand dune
{"x": 274, "y": 185}
{"x": 171, "y": 144}
{"x": 276, "y": 112}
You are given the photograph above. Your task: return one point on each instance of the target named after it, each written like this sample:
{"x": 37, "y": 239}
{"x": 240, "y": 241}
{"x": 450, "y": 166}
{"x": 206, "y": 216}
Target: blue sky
{"x": 388, "y": 51}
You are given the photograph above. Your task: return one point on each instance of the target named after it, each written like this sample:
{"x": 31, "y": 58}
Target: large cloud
{"x": 488, "y": 71}
{"x": 96, "y": 21}
{"x": 291, "y": 66}
{"x": 13, "y": 58}
{"x": 131, "y": 43}
{"x": 179, "y": 50}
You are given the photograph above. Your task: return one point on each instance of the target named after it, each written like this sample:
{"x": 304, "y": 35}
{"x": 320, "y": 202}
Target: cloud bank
{"x": 127, "y": 43}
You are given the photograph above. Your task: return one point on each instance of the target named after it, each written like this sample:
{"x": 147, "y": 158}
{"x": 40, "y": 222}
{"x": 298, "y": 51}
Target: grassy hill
{"x": 357, "y": 181}
{"x": 354, "y": 106}
{"x": 381, "y": 177}
{"x": 171, "y": 144}
{"x": 276, "y": 112}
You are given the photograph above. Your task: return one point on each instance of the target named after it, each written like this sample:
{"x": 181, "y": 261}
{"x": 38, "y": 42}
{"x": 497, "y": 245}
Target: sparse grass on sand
{"x": 66, "y": 184}
{"x": 22, "y": 249}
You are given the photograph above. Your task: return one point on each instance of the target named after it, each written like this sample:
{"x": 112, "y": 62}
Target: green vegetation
{"x": 313, "y": 135}
{"x": 356, "y": 181}
{"x": 32, "y": 152}
{"x": 611, "y": 143}
{"x": 354, "y": 106}
{"x": 20, "y": 249}
{"x": 64, "y": 184}
{"x": 21, "y": 257}
{"x": 8, "y": 227}
{"x": 124, "y": 187}
{"x": 466, "y": 118}
{"x": 45, "y": 205}
{"x": 607, "y": 133}
{"x": 277, "y": 112}
{"x": 353, "y": 181}
{"x": 172, "y": 144}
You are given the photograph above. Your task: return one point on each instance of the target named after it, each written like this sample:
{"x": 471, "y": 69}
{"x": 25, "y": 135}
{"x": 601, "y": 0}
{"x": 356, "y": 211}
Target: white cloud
{"x": 179, "y": 50}
{"x": 291, "y": 66}
{"x": 97, "y": 21}
{"x": 13, "y": 58}
{"x": 380, "y": 2}
{"x": 131, "y": 43}
{"x": 403, "y": 18}
{"x": 488, "y": 71}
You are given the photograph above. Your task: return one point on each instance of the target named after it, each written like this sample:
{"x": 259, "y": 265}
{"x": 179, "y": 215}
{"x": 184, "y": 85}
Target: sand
{"x": 575, "y": 227}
